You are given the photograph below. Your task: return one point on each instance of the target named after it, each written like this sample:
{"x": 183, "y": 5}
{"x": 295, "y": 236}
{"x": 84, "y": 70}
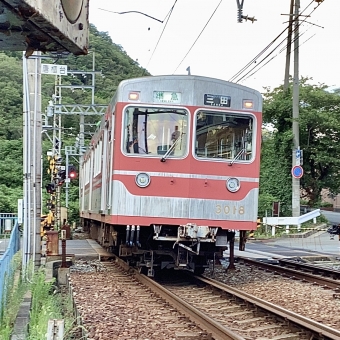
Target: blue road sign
{"x": 297, "y": 171}
{"x": 298, "y": 153}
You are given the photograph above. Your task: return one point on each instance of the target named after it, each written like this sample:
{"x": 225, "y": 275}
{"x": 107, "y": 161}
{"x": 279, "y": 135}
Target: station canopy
{"x": 46, "y": 26}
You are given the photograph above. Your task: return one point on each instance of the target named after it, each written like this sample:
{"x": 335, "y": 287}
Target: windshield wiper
{"x": 172, "y": 147}
{"x": 237, "y": 157}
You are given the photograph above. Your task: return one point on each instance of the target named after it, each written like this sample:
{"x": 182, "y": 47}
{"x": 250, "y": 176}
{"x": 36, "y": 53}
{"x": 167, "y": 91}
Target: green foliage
{"x": 115, "y": 66}
{"x": 319, "y": 139}
{"x": 48, "y": 303}
{"x": 275, "y": 180}
{"x": 45, "y": 306}
{"x": 11, "y": 98}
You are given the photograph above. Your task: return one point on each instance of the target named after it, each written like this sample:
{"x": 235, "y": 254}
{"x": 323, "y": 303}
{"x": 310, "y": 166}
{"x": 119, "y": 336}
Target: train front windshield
{"x": 153, "y": 131}
{"x": 224, "y": 135}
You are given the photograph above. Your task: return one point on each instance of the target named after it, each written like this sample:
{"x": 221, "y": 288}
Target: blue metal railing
{"x": 5, "y": 260}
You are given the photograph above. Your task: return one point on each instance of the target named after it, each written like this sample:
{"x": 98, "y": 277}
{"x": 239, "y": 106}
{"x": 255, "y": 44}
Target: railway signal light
{"x": 72, "y": 172}
{"x": 50, "y": 188}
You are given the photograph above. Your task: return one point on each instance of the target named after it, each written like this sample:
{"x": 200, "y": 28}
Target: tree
{"x": 115, "y": 65}
{"x": 275, "y": 181}
{"x": 319, "y": 135}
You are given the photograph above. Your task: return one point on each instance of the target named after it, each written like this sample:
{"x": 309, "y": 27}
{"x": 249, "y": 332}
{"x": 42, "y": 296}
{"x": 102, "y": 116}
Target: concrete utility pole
{"x": 296, "y": 93}
{"x": 289, "y": 46}
{"x": 32, "y": 159}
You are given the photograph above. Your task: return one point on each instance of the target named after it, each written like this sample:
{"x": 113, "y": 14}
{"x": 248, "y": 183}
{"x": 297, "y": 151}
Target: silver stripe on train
{"x": 125, "y": 203}
{"x": 179, "y": 175}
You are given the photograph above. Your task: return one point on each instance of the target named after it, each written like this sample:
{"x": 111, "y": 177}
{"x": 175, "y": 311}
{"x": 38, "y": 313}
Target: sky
{"x": 205, "y": 36}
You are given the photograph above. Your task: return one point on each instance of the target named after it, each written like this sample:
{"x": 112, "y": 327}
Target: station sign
{"x": 57, "y": 70}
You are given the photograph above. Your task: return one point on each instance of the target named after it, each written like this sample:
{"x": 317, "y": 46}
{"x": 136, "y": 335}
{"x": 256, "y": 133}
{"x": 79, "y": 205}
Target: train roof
{"x": 192, "y": 87}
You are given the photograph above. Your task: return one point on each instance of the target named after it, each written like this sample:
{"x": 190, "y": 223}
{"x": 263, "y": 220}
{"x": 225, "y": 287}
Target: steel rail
{"x": 300, "y": 320}
{"x": 296, "y": 274}
{"x": 203, "y": 321}
{"x": 331, "y": 272}
{"x": 217, "y": 331}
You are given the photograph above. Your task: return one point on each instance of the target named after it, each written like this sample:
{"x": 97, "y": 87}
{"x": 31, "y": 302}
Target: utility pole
{"x": 289, "y": 46}
{"x": 296, "y": 93}
{"x": 32, "y": 159}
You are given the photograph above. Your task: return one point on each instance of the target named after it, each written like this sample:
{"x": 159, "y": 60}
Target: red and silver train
{"x": 173, "y": 171}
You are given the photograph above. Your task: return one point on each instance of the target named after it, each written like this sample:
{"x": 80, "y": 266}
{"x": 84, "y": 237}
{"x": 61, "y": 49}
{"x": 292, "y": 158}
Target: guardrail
{"x": 6, "y": 258}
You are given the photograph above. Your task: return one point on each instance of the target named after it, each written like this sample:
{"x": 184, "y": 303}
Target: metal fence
{"x": 10, "y": 248}
{"x": 7, "y": 223}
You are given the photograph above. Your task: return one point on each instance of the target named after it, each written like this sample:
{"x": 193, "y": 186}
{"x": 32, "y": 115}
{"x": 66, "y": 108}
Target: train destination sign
{"x": 167, "y": 97}
{"x": 217, "y": 100}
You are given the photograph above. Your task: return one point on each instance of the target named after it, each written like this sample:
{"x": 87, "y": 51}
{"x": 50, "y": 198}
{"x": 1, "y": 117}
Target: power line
{"x": 198, "y": 36}
{"x": 266, "y": 48}
{"x": 153, "y": 52}
{"x": 127, "y": 12}
{"x": 258, "y": 56}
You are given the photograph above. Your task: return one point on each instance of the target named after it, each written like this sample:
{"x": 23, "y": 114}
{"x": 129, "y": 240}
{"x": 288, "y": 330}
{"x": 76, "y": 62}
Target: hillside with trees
{"x": 115, "y": 66}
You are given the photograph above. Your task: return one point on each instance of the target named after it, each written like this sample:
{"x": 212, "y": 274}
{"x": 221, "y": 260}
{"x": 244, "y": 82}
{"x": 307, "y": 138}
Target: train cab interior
{"x": 224, "y": 135}
{"x": 155, "y": 131}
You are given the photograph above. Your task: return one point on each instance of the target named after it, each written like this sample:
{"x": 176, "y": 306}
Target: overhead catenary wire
{"x": 261, "y": 53}
{"x": 167, "y": 18}
{"x": 250, "y": 75}
{"x": 198, "y": 36}
{"x": 254, "y": 60}
{"x": 127, "y": 12}
{"x": 258, "y": 56}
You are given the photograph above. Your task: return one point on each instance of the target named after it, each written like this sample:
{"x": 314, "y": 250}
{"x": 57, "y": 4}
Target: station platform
{"x": 84, "y": 249}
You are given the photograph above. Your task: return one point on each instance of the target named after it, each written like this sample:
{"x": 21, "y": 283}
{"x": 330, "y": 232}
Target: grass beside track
{"x": 48, "y": 302}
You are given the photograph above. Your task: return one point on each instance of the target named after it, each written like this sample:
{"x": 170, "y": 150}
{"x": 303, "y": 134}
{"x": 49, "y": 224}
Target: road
{"x": 3, "y": 245}
{"x": 333, "y": 217}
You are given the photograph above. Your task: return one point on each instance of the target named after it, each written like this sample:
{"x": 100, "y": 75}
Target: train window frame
{"x": 184, "y": 135}
{"x": 235, "y": 156}
{"x": 87, "y": 171}
{"x": 98, "y": 158}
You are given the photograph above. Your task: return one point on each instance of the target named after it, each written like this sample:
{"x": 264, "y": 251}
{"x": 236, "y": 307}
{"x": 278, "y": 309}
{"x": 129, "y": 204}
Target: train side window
{"x": 224, "y": 135}
{"x": 150, "y": 131}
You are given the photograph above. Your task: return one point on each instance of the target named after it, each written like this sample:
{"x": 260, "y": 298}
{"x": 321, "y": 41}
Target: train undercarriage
{"x": 158, "y": 247}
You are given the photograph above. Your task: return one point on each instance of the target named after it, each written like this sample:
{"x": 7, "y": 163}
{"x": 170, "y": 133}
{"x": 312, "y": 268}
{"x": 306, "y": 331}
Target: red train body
{"x": 173, "y": 170}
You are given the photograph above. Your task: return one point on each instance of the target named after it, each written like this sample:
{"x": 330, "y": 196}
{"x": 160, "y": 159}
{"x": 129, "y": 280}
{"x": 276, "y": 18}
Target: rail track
{"x": 202, "y": 308}
{"x": 324, "y": 276}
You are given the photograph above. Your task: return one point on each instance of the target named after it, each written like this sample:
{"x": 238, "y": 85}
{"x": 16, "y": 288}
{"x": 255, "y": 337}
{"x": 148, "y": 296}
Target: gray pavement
{"x": 84, "y": 249}
{"x": 320, "y": 243}
{"x": 332, "y": 217}
{"x": 4, "y": 242}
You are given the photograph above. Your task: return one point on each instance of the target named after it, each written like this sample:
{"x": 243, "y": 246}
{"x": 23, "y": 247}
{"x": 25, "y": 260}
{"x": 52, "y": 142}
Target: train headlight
{"x": 143, "y": 180}
{"x": 233, "y": 184}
